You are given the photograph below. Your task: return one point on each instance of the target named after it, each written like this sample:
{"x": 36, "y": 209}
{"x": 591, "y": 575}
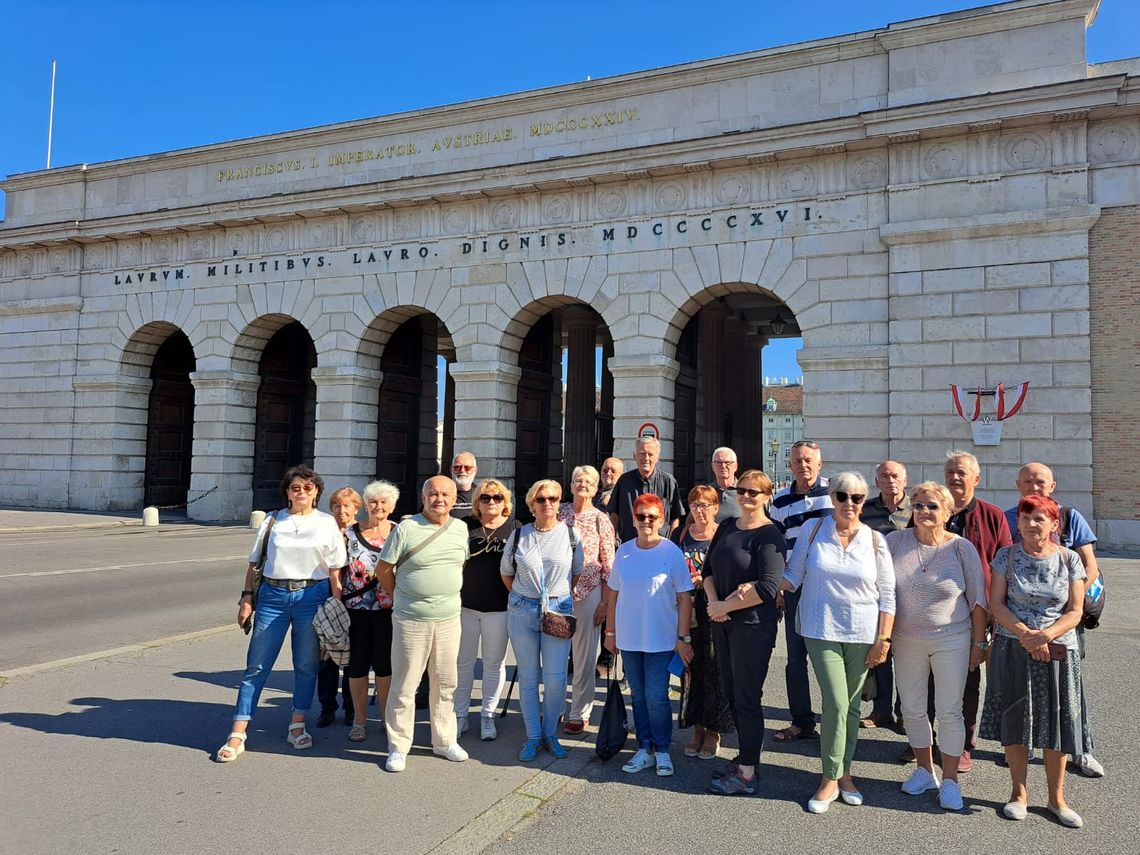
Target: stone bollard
{"x": 256, "y": 518}
{"x": 150, "y": 516}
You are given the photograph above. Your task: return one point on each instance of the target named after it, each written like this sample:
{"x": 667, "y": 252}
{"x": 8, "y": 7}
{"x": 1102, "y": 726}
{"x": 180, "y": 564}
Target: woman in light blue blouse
{"x": 845, "y": 615}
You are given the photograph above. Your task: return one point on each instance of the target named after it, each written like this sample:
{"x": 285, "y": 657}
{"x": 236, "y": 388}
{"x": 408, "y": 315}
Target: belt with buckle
{"x": 291, "y": 584}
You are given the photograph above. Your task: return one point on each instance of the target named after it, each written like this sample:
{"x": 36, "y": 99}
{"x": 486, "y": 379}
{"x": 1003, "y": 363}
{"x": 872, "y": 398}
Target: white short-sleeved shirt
{"x": 301, "y": 546}
{"x": 647, "y": 582}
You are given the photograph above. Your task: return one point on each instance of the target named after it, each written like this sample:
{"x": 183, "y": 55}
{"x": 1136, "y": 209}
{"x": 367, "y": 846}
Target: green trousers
{"x": 840, "y": 669}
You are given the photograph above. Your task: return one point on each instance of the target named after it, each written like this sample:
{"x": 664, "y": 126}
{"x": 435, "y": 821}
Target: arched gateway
{"x": 930, "y": 204}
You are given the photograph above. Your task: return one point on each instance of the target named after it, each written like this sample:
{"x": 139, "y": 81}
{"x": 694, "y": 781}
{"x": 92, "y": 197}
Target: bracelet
{"x": 247, "y": 593}
{"x": 610, "y": 632}
{"x": 982, "y": 645}
{"x": 885, "y": 638}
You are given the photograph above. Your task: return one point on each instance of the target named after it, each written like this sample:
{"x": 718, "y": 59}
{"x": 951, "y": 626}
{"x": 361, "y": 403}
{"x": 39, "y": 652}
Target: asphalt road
{"x": 69, "y": 593}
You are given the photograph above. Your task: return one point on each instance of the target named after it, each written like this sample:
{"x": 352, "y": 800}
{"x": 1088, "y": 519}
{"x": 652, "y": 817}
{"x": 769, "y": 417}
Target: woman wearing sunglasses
{"x": 846, "y": 614}
{"x": 940, "y": 630}
{"x": 541, "y": 563}
{"x": 304, "y": 545}
{"x": 483, "y": 618}
{"x": 650, "y": 609}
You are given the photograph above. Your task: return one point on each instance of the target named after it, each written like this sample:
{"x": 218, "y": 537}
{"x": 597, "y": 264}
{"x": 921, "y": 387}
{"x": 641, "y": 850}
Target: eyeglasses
{"x": 723, "y": 462}
{"x": 806, "y": 443}
{"x": 488, "y": 498}
{"x": 646, "y": 517}
{"x": 854, "y": 498}
{"x": 541, "y": 500}
{"x": 460, "y": 468}
{"x": 584, "y": 482}
{"x": 701, "y": 506}
{"x": 302, "y": 488}
{"x": 749, "y": 492}
{"x": 925, "y": 506}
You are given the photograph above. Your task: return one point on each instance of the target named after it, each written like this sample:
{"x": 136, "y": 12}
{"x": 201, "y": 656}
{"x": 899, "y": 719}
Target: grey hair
{"x": 643, "y": 441}
{"x": 586, "y": 470}
{"x": 723, "y": 448}
{"x": 848, "y": 482}
{"x": 959, "y": 454}
{"x": 382, "y": 490}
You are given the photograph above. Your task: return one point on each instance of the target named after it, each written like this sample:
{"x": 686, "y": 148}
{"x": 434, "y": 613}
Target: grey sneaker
{"x": 733, "y": 784}
{"x": 487, "y": 729}
{"x": 1088, "y": 766}
{"x": 461, "y": 725}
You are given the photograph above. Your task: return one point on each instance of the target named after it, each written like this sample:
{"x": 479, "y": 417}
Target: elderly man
{"x": 612, "y": 469}
{"x": 463, "y": 472}
{"x": 1036, "y": 479}
{"x": 889, "y": 511}
{"x": 806, "y": 498}
{"x": 421, "y": 566}
{"x": 984, "y": 526}
{"x": 646, "y": 478}
{"x": 724, "y": 482}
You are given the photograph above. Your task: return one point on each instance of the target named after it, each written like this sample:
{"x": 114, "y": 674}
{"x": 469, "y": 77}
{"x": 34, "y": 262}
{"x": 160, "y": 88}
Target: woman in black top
{"x": 484, "y": 598}
{"x": 742, "y": 572}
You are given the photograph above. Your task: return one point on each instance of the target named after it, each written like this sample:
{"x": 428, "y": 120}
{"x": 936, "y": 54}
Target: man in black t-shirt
{"x": 646, "y": 478}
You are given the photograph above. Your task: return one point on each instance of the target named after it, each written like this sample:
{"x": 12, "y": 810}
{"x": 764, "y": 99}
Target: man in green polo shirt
{"x": 421, "y": 565}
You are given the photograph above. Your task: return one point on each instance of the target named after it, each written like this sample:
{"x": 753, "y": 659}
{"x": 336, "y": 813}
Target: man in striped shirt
{"x": 805, "y": 499}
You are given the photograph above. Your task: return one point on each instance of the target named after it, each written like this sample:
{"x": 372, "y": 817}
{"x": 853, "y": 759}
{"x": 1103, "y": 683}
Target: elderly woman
{"x": 650, "y": 609}
{"x": 540, "y": 564}
{"x": 344, "y": 505}
{"x": 303, "y": 547}
{"x": 704, "y": 707}
{"x": 1033, "y": 694}
{"x": 369, "y": 606}
{"x": 597, "y": 533}
{"x": 940, "y": 630}
{"x": 743, "y": 571}
{"x": 483, "y": 618}
{"x": 845, "y": 615}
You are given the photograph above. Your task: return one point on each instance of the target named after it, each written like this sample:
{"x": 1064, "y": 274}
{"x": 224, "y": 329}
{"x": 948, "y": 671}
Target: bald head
{"x": 439, "y": 498}
{"x": 1035, "y": 479}
{"x": 612, "y": 469}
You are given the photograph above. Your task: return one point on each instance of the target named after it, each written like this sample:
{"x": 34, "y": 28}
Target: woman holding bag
{"x": 541, "y": 562}
{"x": 302, "y": 546}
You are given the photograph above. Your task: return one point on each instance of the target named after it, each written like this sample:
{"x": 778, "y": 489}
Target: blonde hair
{"x": 489, "y": 485}
{"x": 763, "y": 482}
{"x": 940, "y": 490}
{"x": 538, "y": 485}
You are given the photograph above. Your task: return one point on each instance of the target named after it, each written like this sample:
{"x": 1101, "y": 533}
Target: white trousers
{"x": 948, "y": 659}
{"x": 419, "y": 645}
{"x": 490, "y": 629}
{"x": 584, "y": 652}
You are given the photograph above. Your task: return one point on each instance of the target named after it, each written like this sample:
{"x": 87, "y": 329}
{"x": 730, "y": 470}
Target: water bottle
{"x": 1095, "y": 589}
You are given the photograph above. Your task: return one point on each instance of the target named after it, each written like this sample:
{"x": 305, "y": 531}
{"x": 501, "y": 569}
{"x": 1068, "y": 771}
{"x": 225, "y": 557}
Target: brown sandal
{"x": 710, "y": 746}
{"x": 791, "y": 733}
{"x": 693, "y": 747}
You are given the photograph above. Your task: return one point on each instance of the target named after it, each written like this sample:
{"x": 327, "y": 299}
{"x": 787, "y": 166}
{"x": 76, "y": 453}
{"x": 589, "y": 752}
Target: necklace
{"x": 932, "y": 552}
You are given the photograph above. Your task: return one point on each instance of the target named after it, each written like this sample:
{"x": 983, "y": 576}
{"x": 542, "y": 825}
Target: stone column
{"x": 713, "y": 380}
{"x": 750, "y": 445}
{"x": 345, "y": 450}
{"x": 485, "y": 397}
{"x": 643, "y": 392}
{"x": 225, "y": 419}
{"x": 579, "y": 448}
{"x": 108, "y": 460}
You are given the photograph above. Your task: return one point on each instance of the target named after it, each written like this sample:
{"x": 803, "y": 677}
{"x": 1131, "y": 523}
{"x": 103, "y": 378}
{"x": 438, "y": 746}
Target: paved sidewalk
{"x": 23, "y": 521}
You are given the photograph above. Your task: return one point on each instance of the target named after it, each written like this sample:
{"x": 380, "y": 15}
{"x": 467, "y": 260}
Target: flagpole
{"x": 51, "y": 113}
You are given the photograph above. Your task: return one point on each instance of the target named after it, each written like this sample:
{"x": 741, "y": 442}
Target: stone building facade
{"x": 925, "y": 204}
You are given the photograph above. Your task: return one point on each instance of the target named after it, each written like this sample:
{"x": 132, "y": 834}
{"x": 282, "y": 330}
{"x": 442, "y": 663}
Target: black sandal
{"x": 793, "y": 732}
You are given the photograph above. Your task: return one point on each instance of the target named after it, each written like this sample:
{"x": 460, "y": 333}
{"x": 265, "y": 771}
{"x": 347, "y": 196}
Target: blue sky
{"x": 139, "y": 77}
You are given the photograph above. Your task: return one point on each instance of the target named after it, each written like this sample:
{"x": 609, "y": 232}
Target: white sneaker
{"x": 1088, "y": 766}
{"x": 641, "y": 760}
{"x": 453, "y": 752}
{"x": 396, "y": 761}
{"x": 664, "y": 764}
{"x": 920, "y": 781}
{"x": 487, "y": 729}
{"x": 462, "y": 725}
{"x": 950, "y": 796}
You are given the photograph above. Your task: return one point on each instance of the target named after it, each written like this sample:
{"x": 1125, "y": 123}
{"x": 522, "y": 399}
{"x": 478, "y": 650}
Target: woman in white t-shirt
{"x": 304, "y": 545}
{"x": 649, "y": 608}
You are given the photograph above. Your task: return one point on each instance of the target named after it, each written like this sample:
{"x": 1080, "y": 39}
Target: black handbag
{"x": 259, "y": 573}
{"x": 612, "y": 734}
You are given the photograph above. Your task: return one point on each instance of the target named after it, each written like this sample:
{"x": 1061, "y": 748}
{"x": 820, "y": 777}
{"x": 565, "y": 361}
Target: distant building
{"x": 783, "y": 406}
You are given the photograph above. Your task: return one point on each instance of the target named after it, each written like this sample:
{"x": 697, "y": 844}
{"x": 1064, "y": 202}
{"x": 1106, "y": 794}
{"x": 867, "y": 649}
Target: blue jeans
{"x": 277, "y": 610}
{"x": 796, "y": 671}
{"x": 541, "y": 659}
{"x": 648, "y": 676}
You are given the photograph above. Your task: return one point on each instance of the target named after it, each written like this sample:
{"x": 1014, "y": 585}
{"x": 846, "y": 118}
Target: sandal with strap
{"x": 229, "y": 753}
{"x": 791, "y": 733}
{"x": 300, "y": 740}
{"x": 358, "y": 733}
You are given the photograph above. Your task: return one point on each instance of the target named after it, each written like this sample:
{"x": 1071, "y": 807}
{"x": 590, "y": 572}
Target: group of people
{"x": 916, "y": 589}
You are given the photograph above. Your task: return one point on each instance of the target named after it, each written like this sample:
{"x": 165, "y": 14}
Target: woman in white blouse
{"x": 304, "y": 545}
{"x": 940, "y": 630}
{"x": 845, "y": 615}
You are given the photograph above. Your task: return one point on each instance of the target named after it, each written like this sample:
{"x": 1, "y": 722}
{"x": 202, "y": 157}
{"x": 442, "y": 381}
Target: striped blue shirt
{"x": 791, "y": 509}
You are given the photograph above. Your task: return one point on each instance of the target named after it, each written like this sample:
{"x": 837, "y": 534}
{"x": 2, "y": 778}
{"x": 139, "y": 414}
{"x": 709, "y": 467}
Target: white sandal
{"x": 299, "y": 741}
{"x": 229, "y": 753}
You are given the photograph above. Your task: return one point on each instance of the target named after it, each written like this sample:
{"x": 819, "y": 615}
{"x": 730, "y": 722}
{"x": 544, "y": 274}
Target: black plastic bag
{"x": 612, "y": 734}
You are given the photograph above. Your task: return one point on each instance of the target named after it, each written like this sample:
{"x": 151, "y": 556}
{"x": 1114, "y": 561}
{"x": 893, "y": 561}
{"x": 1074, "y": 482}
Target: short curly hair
{"x": 301, "y": 472}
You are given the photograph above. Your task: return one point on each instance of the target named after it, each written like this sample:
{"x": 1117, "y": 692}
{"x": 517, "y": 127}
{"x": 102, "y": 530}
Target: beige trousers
{"x": 418, "y": 645}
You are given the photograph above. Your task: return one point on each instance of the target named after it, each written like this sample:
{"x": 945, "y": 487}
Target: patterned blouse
{"x": 597, "y": 535}
{"x": 361, "y": 569}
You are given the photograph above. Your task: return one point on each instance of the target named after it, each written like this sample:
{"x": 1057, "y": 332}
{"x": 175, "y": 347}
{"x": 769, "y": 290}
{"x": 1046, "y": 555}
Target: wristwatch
{"x": 885, "y": 638}
{"x": 688, "y": 639}
{"x": 981, "y": 645}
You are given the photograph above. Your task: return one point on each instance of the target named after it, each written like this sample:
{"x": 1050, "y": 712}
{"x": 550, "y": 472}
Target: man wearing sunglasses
{"x": 805, "y": 499}
{"x": 646, "y": 478}
{"x": 724, "y": 482}
{"x": 463, "y": 472}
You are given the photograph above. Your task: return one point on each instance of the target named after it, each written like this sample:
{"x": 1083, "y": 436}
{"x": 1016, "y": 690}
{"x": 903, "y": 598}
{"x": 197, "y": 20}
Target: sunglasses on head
{"x": 749, "y": 492}
{"x": 488, "y": 498}
{"x": 806, "y": 443}
{"x": 647, "y": 517}
{"x": 925, "y": 506}
{"x": 541, "y": 500}
{"x": 843, "y": 497}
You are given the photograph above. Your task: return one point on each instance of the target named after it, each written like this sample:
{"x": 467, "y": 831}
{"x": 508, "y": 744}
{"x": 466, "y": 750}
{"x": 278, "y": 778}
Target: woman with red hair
{"x": 649, "y": 607}
{"x": 1033, "y": 696}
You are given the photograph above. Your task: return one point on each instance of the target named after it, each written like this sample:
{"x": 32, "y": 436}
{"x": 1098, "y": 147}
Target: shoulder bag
{"x": 259, "y": 572}
{"x": 554, "y": 624}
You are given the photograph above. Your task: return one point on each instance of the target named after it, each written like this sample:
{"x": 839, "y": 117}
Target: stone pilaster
{"x": 485, "y": 399}
{"x": 346, "y": 429}
{"x": 225, "y": 416}
{"x": 108, "y": 459}
{"x": 579, "y": 443}
{"x": 643, "y": 392}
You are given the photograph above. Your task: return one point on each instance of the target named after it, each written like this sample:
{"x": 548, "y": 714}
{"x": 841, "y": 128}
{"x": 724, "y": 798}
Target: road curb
{"x": 34, "y": 529}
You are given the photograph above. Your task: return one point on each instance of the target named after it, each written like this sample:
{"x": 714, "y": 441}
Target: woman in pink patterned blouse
{"x": 597, "y": 535}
